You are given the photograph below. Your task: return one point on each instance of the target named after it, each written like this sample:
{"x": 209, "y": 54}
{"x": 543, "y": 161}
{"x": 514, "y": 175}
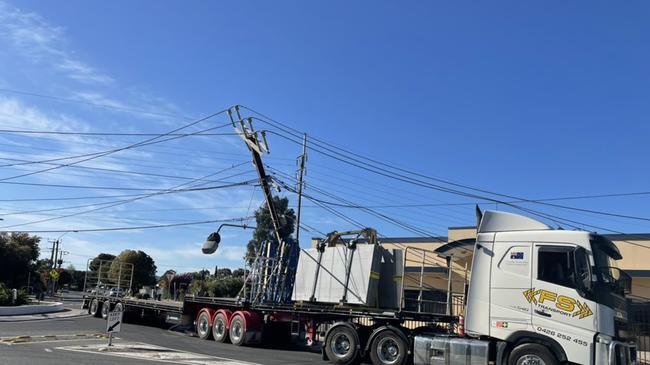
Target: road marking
{"x": 143, "y": 351}
{"x": 47, "y": 350}
{"x": 27, "y": 340}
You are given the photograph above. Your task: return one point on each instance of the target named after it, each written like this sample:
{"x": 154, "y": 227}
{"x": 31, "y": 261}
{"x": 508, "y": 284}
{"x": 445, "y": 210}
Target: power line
{"x": 61, "y": 133}
{"x": 336, "y": 149}
{"x": 134, "y": 227}
{"x": 120, "y": 202}
{"x": 92, "y": 156}
{"x": 139, "y": 173}
{"x": 109, "y": 187}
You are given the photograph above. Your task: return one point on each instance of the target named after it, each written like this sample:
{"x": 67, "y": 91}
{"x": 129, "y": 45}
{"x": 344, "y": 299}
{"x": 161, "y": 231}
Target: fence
{"x": 639, "y": 319}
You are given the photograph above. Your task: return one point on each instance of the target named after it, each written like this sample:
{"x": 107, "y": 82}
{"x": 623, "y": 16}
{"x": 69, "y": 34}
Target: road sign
{"x": 54, "y": 274}
{"x": 114, "y": 323}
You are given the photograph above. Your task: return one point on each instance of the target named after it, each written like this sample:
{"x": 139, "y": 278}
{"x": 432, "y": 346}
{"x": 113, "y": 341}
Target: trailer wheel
{"x": 220, "y": 328}
{"x": 93, "y": 309}
{"x": 388, "y": 348}
{"x": 237, "y": 330}
{"x": 203, "y": 325}
{"x": 531, "y": 354}
{"x": 119, "y": 307}
{"x": 341, "y": 346}
{"x": 105, "y": 309}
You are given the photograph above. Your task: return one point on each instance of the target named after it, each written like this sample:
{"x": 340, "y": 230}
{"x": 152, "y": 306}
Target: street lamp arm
{"x": 212, "y": 242}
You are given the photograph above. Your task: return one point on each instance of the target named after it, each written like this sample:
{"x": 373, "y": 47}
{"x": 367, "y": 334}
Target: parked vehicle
{"x": 116, "y": 292}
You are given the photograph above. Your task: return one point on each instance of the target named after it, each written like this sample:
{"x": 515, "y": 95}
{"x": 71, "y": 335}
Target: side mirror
{"x": 583, "y": 277}
{"x": 211, "y": 243}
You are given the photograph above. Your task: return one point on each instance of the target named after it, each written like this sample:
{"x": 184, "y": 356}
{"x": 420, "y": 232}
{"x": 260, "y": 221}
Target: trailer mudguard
{"x": 252, "y": 326}
{"x": 210, "y": 315}
{"x": 226, "y": 313}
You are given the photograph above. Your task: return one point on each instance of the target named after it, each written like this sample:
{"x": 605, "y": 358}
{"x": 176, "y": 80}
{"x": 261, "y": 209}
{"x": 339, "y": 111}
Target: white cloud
{"x": 43, "y": 43}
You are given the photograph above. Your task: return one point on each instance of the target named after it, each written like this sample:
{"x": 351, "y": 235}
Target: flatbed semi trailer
{"x": 536, "y": 295}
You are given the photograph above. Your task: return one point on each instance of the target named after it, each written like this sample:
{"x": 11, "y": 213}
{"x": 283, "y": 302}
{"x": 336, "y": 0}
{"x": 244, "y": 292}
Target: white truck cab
{"x": 547, "y": 295}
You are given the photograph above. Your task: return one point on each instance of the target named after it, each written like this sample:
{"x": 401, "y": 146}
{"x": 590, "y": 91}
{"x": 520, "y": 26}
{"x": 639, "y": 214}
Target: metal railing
{"x": 419, "y": 296}
{"x": 104, "y": 277}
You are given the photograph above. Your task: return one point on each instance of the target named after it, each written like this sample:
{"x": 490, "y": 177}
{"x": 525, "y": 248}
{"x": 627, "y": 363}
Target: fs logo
{"x": 563, "y": 303}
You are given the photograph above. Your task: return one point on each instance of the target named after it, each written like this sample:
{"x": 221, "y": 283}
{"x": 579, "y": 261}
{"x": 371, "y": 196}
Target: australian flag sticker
{"x": 516, "y": 255}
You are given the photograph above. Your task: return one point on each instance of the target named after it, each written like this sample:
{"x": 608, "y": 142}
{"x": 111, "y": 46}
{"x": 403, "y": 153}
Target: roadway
{"x": 80, "y": 340}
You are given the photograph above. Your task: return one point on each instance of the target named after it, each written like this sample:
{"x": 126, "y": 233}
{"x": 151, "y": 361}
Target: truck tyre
{"x": 105, "y": 309}
{"x": 203, "y": 329}
{"x": 341, "y": 346}
{"x": 531, "y": 354}
{"x": 220, "y": 328}
{"x": 388, "y": 348}
{"x": 94, "y": 308}
{"x": 119, "y": 307}
{"x": 237, "y": 330}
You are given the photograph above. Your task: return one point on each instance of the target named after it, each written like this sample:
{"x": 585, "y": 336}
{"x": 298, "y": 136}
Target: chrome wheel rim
{"x": 530, "y": 360}
{"x": 93, "y": 306}
{"x": 387, "y": 351}
{"x": 219, "y": 328}
{"x": 203, "y": 326}
{"x": 236, "y": 331}
{"x": 341, "y": 345}
{"x": 105, "y": 310}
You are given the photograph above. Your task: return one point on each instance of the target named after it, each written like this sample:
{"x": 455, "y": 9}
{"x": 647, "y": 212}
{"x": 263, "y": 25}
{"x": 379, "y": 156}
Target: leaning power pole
{"x": 275, "y": 264}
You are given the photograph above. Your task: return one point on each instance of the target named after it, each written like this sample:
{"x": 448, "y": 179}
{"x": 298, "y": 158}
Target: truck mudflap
{"x": 440, "y": 350}
{"x": 615, "y": 352}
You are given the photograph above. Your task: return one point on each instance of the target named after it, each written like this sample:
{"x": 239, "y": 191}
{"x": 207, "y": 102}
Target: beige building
{"x": 425, "y": 273}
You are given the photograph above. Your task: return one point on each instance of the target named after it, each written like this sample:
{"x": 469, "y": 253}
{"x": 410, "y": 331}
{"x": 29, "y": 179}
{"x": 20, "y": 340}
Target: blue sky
{"x": 535, "y": 100}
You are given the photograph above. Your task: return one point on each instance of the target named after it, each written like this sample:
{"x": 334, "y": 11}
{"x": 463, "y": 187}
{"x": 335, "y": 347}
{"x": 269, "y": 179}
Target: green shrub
{"x": 6, "y": 296}
{"x": 222, "y": 287}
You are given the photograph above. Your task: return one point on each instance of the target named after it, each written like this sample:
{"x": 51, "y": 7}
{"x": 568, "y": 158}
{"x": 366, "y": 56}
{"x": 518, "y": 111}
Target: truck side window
{"x": 555, "y": 265}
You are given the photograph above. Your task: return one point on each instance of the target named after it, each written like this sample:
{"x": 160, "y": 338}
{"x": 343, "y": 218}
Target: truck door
{"x": 559, "y": 311}
{"x": 511, "y": 276}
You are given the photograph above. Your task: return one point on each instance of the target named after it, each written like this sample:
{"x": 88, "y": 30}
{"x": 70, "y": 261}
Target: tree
{"x": 65, "y": 277}
{"x": 144, "y": 268}
{"x": 224, "y": 272}
{"x": 18, "y": 253}
{"x": 238, "y": 273}
{"x": 265, "y": 231}
{"x": 94, "y": 264}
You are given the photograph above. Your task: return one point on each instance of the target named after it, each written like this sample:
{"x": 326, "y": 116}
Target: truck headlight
{"x": 604, "y": 339}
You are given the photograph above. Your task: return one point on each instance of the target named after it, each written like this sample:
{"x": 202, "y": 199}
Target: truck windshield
{"x": 606, "y": 270}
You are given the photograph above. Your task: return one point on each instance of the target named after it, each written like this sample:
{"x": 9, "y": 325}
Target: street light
{"x": 212, "y": 242}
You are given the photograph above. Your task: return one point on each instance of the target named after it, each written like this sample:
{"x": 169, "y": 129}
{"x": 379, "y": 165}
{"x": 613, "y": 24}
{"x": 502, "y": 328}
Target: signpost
{"x": 113, "y": 325}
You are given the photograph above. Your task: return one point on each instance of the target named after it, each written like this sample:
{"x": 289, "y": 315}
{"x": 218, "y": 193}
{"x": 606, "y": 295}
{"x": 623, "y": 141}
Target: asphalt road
{"x": 68, "y": 341}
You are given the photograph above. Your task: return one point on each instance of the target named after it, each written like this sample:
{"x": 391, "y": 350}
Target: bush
{"x": 222, "y": 287}
{"x": 6, "y": 296}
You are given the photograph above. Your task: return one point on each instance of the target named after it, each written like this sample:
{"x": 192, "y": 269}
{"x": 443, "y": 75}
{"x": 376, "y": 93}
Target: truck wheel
{"x": 119, "y": 307}
{"x": 237, "y": 330}
{"x": 93, "y": 309}
{"x": 220, "y": 328}
{"x": 203, "y": 325}
{"x": 105, "y": 309}
{"x": 531, "y": 354}
{"x": 388, "y": 348}
{"x": 341, "y": 346}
